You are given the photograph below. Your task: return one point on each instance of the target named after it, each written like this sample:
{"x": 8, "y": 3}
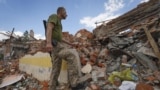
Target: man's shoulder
{"x": 53, "y": 15}
{"x": 53, "y": 18}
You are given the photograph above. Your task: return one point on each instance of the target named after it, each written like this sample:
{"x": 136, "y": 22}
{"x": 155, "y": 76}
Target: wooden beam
{"x": 152, "y": 42}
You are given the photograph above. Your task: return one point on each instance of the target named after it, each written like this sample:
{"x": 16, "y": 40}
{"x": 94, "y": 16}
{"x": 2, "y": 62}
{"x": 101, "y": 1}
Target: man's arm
{"x": 50, "y": 27}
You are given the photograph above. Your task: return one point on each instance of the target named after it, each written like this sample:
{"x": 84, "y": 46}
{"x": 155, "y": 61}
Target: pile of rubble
{"x": 127, "y": 59}
{"x": 124, "y": 60}
{"x": 13, "y": 79}
{"x": 126, "y": 56}
{"x": 122, "y": 54}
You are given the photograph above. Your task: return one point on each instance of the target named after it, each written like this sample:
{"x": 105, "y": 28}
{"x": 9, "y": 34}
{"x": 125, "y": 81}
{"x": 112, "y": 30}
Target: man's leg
{"x": 56, "y": 67}
{"x": 73, "y": 71}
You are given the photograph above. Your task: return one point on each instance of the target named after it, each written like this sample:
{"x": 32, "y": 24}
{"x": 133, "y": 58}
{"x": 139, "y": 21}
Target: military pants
{"x": 59, "y": 53}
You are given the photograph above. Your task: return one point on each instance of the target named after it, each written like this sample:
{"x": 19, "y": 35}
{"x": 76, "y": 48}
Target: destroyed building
{"x": 148, "y": 10}
{"x": 122, "y": 54}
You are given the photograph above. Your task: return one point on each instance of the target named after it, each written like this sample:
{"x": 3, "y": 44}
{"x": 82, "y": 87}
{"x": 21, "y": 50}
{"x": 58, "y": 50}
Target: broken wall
{"x": 37, "y": 65}
{"x": 129, "y": 19}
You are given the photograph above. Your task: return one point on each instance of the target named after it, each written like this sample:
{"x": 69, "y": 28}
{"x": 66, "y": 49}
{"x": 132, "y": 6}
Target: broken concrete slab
{"x": 10, "y": 79}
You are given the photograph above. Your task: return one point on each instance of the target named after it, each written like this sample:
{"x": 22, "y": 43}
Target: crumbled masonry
{"x": 122, "y": 54}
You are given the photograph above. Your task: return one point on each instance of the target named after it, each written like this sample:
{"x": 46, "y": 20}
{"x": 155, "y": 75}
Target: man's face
{"x": 63, "y": 14}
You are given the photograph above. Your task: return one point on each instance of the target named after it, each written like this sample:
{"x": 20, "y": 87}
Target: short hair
{"x": 60, "y": 9}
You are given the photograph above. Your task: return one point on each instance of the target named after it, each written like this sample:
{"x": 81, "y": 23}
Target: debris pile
{"x": 128, "y": 57}
{"x": 122, "y": 54}
{"x": 134, "y": 17}
{"x": 13, "y": 79}
{"x": 124, "y": 50}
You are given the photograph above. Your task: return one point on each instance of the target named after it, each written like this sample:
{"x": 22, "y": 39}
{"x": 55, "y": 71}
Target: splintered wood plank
{"x": 152, "y": 42}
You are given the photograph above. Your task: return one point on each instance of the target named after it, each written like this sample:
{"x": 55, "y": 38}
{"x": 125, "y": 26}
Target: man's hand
{"x": 49, "y": 47}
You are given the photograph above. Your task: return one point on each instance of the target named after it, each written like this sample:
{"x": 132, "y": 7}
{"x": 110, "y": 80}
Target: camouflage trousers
{"x": 57, "y": 55}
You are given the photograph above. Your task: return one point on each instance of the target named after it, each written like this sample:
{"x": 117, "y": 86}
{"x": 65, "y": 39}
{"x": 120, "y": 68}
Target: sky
{"x": 28, "y": 15}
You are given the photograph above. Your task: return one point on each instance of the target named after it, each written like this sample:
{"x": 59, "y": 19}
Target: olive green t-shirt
{"x": 57, "y": 30}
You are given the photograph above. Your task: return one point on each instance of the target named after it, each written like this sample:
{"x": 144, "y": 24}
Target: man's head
{"x": 61, "y": 12}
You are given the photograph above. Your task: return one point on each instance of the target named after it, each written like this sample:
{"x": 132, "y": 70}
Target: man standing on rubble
{"x": 55, "y": 45}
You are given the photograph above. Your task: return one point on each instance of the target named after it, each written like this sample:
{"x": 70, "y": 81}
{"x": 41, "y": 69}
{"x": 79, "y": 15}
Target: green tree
{"x": 26, "y": 36}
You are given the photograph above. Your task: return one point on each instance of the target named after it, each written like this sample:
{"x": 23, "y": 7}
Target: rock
{"x": 143, "y": 86}
{"x": 87, "y": 68}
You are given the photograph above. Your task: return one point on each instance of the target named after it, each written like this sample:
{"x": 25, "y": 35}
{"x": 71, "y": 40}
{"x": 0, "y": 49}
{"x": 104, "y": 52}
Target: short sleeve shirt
{"x": 57, "y": 30}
